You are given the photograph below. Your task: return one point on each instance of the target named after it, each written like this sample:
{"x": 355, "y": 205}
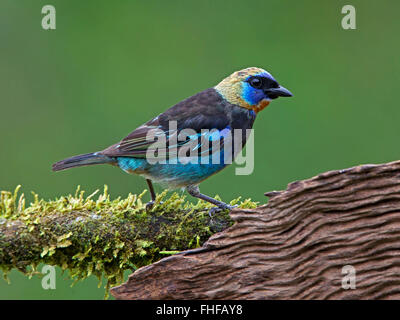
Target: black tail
{"x": 82, "y": 160}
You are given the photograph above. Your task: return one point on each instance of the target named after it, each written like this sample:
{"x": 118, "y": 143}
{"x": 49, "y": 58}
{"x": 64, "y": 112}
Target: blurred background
{"x": 111, "y": 65}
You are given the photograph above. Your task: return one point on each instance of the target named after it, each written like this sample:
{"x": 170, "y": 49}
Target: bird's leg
{"x": 195, "y": 192}
{"x": 150, "y": 204}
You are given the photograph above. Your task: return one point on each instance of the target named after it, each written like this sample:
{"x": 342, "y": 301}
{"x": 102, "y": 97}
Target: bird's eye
{"x": 256, "y": 83}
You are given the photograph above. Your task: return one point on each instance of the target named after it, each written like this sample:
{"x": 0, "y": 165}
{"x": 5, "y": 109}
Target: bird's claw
{"x": 213, "y": 210}
{"x": 150, "y": 204}
{"x": 218, "y": 209}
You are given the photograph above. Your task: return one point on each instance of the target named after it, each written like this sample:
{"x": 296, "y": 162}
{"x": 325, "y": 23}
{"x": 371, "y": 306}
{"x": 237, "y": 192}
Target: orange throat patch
{"x": 258, "y": 107}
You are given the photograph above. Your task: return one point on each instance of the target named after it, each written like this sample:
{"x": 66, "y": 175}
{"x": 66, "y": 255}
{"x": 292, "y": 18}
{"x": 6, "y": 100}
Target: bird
{"x": 232, "y": 104}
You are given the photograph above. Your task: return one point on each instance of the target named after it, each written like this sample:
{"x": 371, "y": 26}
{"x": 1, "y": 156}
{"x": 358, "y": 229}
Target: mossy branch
{"x": 102, "y": 237}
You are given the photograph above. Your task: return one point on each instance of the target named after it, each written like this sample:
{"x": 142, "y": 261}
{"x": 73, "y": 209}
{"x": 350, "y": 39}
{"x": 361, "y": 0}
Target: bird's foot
{"x": 220, "y": 208}
{"x": 150, "y": 204}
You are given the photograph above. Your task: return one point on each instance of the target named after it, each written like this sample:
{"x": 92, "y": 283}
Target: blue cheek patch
{"x": 250, "y": 95}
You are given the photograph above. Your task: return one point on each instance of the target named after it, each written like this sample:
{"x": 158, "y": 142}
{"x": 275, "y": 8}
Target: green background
{"x": 112, "y": 65}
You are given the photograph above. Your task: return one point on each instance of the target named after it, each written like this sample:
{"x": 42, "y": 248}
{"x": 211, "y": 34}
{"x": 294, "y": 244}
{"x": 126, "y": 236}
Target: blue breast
{"x": 180, "y": 174}
{"x": 173, "y": 175}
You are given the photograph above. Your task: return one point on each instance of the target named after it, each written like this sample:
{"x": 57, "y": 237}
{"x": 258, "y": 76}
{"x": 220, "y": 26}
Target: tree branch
{"x": 102, "y": 237}
{"x": 295, "y": 247}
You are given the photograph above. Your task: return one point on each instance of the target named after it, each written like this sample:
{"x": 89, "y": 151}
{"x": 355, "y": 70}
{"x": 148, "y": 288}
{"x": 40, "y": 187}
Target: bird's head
{"x": 251, "y": 88}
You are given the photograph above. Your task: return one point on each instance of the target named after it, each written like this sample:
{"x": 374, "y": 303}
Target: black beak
{"x": 274, "y": 93}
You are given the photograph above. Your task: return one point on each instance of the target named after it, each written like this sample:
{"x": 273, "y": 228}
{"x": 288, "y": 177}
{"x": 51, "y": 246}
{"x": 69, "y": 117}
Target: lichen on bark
{"x": 101, "y": 237}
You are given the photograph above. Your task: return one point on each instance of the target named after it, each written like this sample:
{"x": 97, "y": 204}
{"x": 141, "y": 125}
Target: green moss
{"x": 101, "y": 237}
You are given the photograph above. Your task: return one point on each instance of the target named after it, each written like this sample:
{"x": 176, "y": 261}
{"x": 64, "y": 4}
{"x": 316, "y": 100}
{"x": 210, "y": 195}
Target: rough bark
{"x": 295, "y": 247}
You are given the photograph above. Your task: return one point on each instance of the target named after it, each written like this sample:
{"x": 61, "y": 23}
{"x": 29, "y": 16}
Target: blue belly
{"x": 170, "y": 174}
